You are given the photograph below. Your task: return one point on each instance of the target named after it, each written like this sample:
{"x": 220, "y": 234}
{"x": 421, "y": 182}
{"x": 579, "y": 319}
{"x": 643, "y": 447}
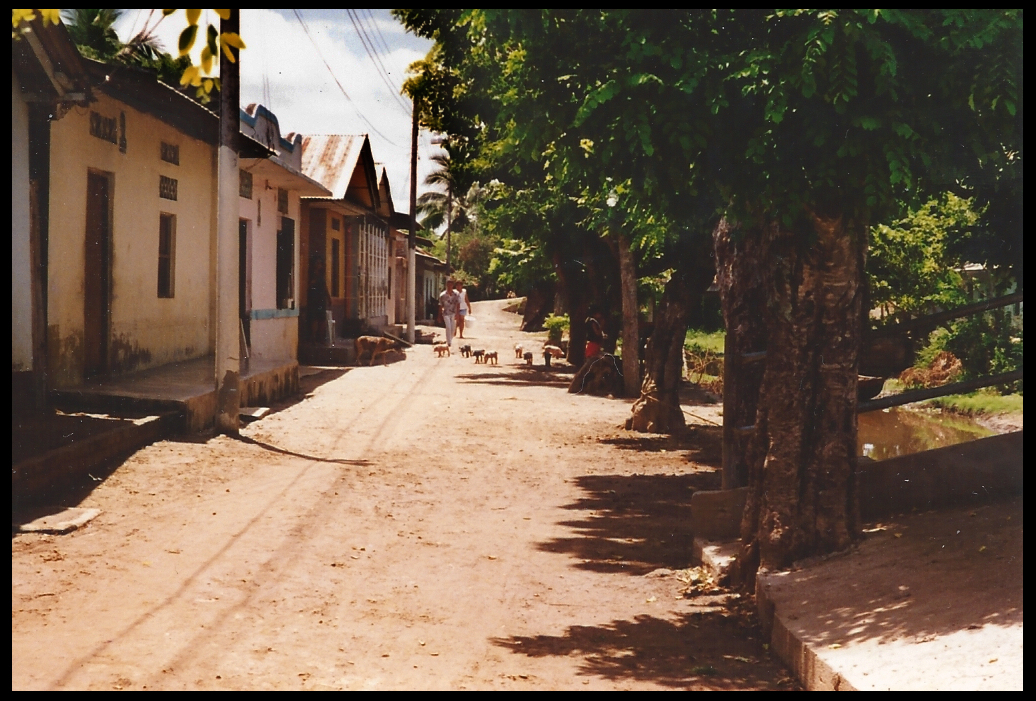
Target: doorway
{"x": 97, "y": 281}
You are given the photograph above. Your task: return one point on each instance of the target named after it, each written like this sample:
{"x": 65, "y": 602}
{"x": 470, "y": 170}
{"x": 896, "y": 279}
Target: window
{"x": 335, "y": 254}
{"x": 244, "y": 186}
{"x": 282, "y": 200}
{"x": 106, "y": 128}
{"x": 171, "y": 153}
{"x": 286, "y": 264}
{"x": 167, "y": 188}
{"x": 166, "y": 255}
{"x": 336, "y": 223}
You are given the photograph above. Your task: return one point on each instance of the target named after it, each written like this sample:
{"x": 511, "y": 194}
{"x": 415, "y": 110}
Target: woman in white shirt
{"x": 464, "y": 309}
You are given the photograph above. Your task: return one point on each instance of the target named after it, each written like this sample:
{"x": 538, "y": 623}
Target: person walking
{"x": 463, "y": 309}
{"x": 449, "y": 304}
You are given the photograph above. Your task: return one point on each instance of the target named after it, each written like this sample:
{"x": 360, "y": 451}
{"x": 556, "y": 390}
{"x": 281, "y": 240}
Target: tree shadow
{"x": 702, "y": 445}
{"x": 537, "y": 376}
{"x": 915, "y": 578}
{"x": 633, "y": 523}
{"x": 703, "y": 649}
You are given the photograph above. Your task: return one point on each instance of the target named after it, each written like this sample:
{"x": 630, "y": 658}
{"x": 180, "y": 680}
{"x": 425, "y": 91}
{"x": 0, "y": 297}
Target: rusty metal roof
{"x": 331, "y": 159}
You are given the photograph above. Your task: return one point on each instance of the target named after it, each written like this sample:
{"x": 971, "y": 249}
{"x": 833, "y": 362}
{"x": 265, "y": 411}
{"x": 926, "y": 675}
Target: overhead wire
{"x": 372, "y": 54}
{"x": 305, "y": 28}
{"x": 374, "y": 23}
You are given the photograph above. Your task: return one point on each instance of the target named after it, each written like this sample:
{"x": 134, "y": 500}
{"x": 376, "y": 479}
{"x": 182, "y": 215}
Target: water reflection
{"x": 886, "y": 434}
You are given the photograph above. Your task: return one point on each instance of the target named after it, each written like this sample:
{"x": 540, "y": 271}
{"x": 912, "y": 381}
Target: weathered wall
{"x": 274, "y": 332}
{"x": 21, "y": 280}
{"x": 145, "y": 330}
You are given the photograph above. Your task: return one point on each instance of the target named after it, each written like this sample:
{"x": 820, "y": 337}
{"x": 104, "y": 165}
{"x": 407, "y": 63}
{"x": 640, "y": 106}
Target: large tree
{"x": 799, "y": 128}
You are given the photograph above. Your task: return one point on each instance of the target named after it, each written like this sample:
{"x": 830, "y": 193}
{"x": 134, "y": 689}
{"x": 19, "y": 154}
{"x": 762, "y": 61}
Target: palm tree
{"x": 93, "y": 31}
{"x": 447, "y": 205}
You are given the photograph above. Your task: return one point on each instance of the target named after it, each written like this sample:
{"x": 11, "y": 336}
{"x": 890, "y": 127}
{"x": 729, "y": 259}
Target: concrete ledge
{"x": 37, "y": 476}
{"x": 968, "y": 473}
{"x": 269, "y": 386}
{"x": 717, "y": 514}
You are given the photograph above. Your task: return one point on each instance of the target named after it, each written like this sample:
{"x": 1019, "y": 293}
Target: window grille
{"x": 166, "y": 188}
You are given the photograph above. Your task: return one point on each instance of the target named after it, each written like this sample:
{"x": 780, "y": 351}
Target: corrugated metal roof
{"x": 330, "y": 159}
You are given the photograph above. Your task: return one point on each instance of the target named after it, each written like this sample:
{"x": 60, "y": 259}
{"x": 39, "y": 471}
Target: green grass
{"x": 981, "y": 402}
{"x": 706, "y": 340}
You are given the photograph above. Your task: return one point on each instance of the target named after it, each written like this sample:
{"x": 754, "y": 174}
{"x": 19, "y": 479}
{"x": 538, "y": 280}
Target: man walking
{"x": 449, "y": 304}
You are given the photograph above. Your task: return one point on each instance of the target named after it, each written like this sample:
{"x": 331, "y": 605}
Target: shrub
{"x": 556, "y": 327}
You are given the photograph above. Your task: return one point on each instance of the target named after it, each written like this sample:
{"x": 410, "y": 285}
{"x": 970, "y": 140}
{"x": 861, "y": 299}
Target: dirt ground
{"x": 429, "y": 524}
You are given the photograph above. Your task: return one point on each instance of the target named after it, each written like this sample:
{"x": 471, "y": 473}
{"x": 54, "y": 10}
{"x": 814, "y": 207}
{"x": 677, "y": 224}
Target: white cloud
{"x": 282, "y": 68}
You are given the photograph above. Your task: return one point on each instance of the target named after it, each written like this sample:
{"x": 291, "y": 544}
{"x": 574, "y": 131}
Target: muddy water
{"x": 886, "y": 434}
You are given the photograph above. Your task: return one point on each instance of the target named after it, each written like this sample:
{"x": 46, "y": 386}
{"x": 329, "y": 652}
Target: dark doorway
{"x": 97, "y": 282}
{"x": 244, "y": 297}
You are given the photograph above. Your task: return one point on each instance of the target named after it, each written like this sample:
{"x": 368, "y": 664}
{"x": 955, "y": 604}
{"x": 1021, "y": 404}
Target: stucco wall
{"x": 21, "y": 280}
{"x": 145, "y": 330}
{"x": 274, "y": 332}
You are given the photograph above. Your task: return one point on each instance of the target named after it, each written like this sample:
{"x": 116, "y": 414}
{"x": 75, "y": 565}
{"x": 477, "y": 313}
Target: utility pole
{"x": 411, "y": 257}
{"x": 228, "y": 342}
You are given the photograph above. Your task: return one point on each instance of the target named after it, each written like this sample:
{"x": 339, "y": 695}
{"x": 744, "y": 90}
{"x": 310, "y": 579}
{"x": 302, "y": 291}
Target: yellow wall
{"x": 145, "y": 330}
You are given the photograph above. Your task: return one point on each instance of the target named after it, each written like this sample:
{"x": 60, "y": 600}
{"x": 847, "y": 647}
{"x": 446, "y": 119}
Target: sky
{"x": 293, "y": 73}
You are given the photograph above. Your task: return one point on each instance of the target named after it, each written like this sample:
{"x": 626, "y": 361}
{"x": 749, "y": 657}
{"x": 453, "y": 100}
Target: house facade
{"x": 347, "y": 248}
{"x": 132, "y": 221}
{"x": 269, "y": 233}
{"x": 48, "y": 80}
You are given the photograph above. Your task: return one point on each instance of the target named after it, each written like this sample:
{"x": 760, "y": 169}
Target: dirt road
{"x": 429, "y": 524}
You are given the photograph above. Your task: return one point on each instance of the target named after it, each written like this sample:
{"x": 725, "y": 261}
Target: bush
{"x": 556, "y": 327}
{"x": 986, "y": 344}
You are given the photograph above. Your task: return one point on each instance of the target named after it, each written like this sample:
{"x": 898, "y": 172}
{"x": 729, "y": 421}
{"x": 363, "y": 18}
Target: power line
{"x": 338, "y": 83}
{"x": 374, "y": 23}
{"x": 368, "y": 46}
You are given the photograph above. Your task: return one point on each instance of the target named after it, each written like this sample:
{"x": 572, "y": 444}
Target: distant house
{"x": 48, "y": 79}
{"x": 347, "y": 248}
{"x": 431, "y": 280}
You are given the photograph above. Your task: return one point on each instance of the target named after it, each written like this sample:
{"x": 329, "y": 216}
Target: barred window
{"x": 106, "y": 128}
{"x": 282, "y": 200}
{"x": 171, "y": 153}
{"x": 244, "y": 184}
{"x": 166, "y": 188}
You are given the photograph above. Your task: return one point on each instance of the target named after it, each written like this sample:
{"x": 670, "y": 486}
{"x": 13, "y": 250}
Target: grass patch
{"x": 705, "y": 340}
{"x": 980, "y": 402}
{"x": 983, "y": 401}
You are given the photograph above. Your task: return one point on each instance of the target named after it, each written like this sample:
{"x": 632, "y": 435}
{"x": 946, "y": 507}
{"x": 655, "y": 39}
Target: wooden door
{"x": 97, "y": 280}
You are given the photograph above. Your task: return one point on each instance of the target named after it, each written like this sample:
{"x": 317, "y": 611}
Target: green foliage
{"x": 518, "y": 266}
{"x": 556, "y": 327}
{"x": 911, "y": 263}
{"x": 986, "y": 344}
{"x": 700, "y": 341}
{"x": 985, "y": 401}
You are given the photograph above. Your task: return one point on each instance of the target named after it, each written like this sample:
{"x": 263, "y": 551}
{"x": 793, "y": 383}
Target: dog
{"x": 528, "y": 358}
{"x": 465, "y": 350}
{"x": 518, "y": 350}
{"x": 480, "y": 355}
{"x": 555, "y": 352}
{"x": 375, "y": 345}
{"x": 491, "y": 356}
{"x": 442, "y": 348}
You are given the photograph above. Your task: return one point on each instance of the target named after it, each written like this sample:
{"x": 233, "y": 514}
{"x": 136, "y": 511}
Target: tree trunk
{"x": 573, "y": 291}
{"x": 537, "y": 306}
{"x": 658, "y": 409}
{"x": 630, "y": 319}
{"x": 802, "y": 499}
{"x": 740, "y": 276}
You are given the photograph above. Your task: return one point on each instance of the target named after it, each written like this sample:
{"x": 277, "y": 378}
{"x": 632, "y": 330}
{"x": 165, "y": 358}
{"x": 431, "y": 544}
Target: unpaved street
{"x": 429, "y": 524}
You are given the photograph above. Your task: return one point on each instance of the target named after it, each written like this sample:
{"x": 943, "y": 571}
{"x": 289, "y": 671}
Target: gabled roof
{"x": 344, "y": 164}
{"x": 384, "y": 192}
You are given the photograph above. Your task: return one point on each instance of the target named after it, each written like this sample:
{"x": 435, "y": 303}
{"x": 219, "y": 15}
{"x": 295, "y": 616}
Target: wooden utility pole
{"x": 228, "y": 344}
{"x": 411, "y": 257}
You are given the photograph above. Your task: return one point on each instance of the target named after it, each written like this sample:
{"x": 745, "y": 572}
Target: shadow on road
{"x": 713, "y": 648}
{"x": 535, "y": 376}
{"x": 702, "y": 445}
{"x": 633, "y": 523}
